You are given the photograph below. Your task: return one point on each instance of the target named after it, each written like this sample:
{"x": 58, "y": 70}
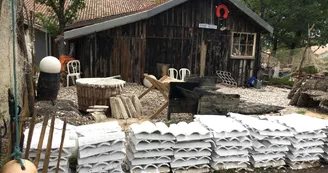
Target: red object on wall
{"x": 226, "y": 11}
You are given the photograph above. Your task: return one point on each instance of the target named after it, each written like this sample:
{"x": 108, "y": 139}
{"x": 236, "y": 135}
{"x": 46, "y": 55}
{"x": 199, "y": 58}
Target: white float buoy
{"x": 50, "y": 64}
{"x": 147, "y": 83}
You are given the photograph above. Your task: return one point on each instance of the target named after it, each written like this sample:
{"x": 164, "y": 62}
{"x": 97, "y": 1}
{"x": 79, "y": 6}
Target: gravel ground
{"x": 267, "y": 95}
{"x": 154, "y": 99}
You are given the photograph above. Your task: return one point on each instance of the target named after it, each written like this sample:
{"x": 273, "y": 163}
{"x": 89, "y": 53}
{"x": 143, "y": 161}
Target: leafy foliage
{"x": 49, "y": 22}
{"x": 61, "y": 12}
{"x": 291, "y": 18}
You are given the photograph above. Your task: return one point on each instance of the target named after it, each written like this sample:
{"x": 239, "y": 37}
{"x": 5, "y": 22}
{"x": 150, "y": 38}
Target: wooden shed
{"x": 181, "y": 33}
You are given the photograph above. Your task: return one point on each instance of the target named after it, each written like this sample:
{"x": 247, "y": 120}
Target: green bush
{"x": 281, "y": 81}
{"x": 310, "y": 70}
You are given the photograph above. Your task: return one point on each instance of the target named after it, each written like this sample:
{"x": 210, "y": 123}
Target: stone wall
{"x": 6, "y": 60}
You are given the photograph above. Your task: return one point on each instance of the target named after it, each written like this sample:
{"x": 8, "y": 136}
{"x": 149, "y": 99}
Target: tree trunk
{"x": 60, "y": 43}
{"x": 275, "y": 45}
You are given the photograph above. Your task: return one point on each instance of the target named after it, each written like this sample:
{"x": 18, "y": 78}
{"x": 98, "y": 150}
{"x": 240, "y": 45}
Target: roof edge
{"x": 121, "y": 21}
{"x": 85, "y": 30}
{"x": 253, "y": 15}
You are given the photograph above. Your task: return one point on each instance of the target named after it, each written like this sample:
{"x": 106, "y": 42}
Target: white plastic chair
{"x": 183, "y": 73}
{"x": 74, "y": 70}
{"x": 173, "y": 73}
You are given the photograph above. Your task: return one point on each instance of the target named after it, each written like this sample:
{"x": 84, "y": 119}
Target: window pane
{"x": 242, "y": 45}
{"x": 249, "y": 51}
{"x": 236, "y": 38}
{"x": 236, "y": 51}
{"x": 251, "y": 39}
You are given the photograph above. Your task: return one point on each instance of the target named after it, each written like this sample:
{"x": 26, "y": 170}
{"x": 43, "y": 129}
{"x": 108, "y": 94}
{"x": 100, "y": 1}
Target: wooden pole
{"x": 30, "y": 135}
{"x": 203, "y": 58}
{"x": 61, "y": 145}
{"x": 48, "y": 150}
{"x": 39, "y": 149}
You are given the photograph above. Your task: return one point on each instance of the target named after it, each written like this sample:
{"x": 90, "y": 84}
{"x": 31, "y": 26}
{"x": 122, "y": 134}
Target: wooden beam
{"x": 203, "y": 58}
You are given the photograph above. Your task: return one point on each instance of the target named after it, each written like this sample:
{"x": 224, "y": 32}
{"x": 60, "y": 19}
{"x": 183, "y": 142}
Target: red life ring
{"x": 218, "y": 11}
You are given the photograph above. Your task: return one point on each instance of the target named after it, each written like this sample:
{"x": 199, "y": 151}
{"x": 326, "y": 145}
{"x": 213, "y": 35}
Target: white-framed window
{"x": 243, "y": 45}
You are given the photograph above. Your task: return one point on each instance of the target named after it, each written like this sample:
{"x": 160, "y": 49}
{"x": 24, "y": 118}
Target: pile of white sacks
{"x": 101, "y": 148}
{"x": 230, "y": 142}
{"x": 270, "y": 141}
{"x": 69, "y": 147}
{"x": 307, "y": 142}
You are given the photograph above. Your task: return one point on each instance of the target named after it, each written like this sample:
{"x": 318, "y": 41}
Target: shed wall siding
{"x": 172, "y": 37}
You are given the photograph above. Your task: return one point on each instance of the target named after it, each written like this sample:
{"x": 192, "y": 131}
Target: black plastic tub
{"x": 48, "y": 86}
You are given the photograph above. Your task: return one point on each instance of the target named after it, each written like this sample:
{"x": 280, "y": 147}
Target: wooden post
{"x": 61, "y": 145}
{"x": 30, "y": 135}
{"x": 49, "y": 145}
{"x": 43, "y": 131}
{"x": 203, "y": 58}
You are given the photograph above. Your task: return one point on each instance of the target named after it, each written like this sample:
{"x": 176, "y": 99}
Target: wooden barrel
{"x": 48, "y": 86}
{"x": 97, "y": 91}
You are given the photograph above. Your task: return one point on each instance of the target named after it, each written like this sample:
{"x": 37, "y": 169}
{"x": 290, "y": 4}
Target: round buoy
{"x": 225, "y": 11}
{"x": 50, "y": 64}
{"x": 147, "y": 83}
{"x": 14, "y": 167}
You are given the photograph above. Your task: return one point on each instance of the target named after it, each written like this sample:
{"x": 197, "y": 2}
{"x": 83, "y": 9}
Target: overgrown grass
{"x": 301, "y": 112}
{"x": 281, "y": 81}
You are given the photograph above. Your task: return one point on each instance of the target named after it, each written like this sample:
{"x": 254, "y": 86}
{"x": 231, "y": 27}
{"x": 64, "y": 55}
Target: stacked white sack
{"x": 101, "y": 148}
{"x": 69, "y": 147}
{"x": 308, "y": 140}
{"x": 149, "y": 147}
{"x": 230, "y": 142}
{"x": 192, "y": 149}
{"x": 270, "y": 141}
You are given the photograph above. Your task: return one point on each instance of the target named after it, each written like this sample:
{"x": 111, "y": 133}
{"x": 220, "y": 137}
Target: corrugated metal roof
{"x": 97, "y": 10}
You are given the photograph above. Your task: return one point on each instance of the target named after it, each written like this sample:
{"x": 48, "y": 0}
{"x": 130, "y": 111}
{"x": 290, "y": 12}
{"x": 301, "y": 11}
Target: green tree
{"x": 61, "y": 12}
{"x": 291, "y": 18}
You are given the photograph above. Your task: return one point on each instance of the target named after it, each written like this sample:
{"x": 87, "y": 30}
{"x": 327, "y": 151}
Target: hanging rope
{"x": 17, "y": 153}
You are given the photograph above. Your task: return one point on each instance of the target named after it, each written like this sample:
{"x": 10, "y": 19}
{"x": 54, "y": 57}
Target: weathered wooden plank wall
{"x": 171, "y": 37}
